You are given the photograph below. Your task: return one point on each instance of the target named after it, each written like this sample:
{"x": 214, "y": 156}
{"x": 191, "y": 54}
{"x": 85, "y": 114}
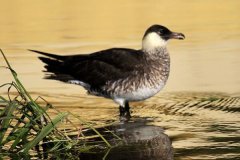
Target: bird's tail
{"x": 54, "y": 63}
{"x": 58, "y": 57}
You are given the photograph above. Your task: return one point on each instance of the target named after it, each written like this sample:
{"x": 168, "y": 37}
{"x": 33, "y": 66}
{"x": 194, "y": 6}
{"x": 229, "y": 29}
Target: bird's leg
{"x": 121, "y": 110}
{"x": 124, "y": 112}
{"x": 127, "y": 110}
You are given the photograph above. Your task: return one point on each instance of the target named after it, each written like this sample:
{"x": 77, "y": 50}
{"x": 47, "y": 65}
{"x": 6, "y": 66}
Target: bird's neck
{"x": 152, "y": 42}
{"x": 157, "y": 53}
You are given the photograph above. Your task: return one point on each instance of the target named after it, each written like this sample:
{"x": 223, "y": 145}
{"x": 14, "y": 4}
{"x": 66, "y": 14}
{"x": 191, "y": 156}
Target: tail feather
{"x": 52, "y": 65}
{"x": 56, "y": 69}
{"x": 55, "y": 65}
{"x": 48, "y": 54}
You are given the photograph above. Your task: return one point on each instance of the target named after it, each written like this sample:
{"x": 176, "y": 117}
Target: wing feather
{"x": 94, "y": 69}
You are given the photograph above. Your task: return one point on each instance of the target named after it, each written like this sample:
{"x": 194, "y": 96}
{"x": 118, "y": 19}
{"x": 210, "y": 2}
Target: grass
{"x": 25, "y": 123}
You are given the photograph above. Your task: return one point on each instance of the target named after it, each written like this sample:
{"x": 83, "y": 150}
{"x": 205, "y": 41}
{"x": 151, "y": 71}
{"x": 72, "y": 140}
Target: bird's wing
{"x": 94, "y": 69}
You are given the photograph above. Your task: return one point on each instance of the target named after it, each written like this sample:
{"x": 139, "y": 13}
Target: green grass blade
{"x": 9, "y": 109}
{"x": 22, "y": 133}
{"x": 44, "y": 132}
{"x": 3, "y": 99}
{"x": 20, "y": 85}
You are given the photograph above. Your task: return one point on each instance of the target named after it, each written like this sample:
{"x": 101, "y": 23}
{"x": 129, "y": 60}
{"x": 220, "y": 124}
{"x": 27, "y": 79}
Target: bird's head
{"x": 157, "y": 36}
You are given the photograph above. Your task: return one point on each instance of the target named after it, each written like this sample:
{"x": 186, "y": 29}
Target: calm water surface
{"x": 199, "y": 107}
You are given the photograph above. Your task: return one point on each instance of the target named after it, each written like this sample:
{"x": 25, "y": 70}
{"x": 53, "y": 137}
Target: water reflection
{"x": 135, "y": 140}
{"x": 140, "y": 141}
{"x": 199, "y": 125}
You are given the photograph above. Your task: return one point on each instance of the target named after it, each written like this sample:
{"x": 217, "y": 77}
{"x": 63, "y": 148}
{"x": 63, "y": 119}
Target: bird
{"x": 121, "y": 74}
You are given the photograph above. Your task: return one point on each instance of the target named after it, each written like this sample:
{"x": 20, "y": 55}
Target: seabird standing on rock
{"x": 121, "y": 74}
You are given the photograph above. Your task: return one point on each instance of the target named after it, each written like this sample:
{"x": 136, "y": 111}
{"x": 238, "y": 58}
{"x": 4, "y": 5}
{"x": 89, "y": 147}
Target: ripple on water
{"x": 200, "y": 125}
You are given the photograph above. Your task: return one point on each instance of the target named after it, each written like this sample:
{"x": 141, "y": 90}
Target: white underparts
{"x": 137, "y": 95}
{"x": 152, "y": 41}
{"x": 143, "y": 93}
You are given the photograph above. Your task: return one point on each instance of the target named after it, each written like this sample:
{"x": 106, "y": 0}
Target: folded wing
{"x": 92, "y": 69}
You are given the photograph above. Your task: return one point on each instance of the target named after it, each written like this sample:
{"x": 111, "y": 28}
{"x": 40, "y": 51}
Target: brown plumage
{"x": 120, "y": 74}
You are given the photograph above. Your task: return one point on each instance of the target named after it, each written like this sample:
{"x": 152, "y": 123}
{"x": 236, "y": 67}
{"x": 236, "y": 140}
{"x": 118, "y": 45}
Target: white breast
{"x": 141, "y": 93}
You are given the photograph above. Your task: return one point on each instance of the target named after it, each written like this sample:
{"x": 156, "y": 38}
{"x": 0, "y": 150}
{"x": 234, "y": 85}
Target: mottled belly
{"x": 141, "y": 93}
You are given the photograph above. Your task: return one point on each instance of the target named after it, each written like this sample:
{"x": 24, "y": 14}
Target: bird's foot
{"x": 125, "y": 118}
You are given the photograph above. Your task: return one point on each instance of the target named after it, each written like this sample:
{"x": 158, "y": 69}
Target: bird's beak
{"x": 176, "y": 35}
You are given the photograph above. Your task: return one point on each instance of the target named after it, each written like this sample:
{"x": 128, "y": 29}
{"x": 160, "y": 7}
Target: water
{"x": 198, "y": 108}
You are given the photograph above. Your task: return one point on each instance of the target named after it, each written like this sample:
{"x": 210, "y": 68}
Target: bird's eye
{"x": 159, "y": 32}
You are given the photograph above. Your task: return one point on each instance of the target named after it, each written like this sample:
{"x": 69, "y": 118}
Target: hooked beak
{"x": 175, "y": 35}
